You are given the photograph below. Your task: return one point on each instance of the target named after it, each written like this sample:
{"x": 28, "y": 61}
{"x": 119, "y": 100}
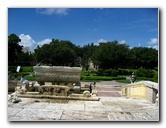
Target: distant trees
{"x": 14, "y": 49}
{"x": 107, "y": 55}
{"x": 15, "y": 54}
{"x": 142, "y": 57}
{"x": 56, "y": 53}
{"x": 111, "y": 55}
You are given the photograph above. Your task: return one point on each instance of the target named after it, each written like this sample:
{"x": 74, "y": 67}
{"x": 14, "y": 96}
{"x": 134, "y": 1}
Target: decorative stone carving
{"x": 54, "y": 90}
{"x": 86, "y": 94}
{"x": 57, "y": 74}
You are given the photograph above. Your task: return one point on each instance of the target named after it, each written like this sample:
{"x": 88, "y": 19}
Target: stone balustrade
{"x": 144, "y": 89}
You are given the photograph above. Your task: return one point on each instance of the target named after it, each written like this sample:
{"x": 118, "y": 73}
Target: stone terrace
{"x": 111, "y": 107}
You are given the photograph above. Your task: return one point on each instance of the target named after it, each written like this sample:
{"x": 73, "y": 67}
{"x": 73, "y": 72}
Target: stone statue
{"x": 133, "y": 78}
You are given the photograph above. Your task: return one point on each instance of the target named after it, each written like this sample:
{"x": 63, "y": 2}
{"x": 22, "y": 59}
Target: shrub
{"x": 107, "y": 72}
{"x": 27, "y": 69}
{"x": 124, "y": 71}
{"x": 145, "y": 73}
{"x": 12, "y": 69}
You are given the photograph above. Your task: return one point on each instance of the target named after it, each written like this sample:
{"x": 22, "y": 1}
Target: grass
{"x": 124, "y": 81}
{"x": 138, "y": 79}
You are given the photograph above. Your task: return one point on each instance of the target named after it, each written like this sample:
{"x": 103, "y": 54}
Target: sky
{"x": 132, "y": 26}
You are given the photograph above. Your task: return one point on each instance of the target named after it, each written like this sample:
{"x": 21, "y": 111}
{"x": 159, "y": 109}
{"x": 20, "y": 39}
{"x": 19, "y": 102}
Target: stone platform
{"x": 108, "y": 108}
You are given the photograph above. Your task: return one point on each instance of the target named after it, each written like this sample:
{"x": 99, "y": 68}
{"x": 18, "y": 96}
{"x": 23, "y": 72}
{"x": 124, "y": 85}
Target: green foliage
{"x": 56, "y": 53}
{"x": 124, "y": 81}
{"x": 145, "y": 73}
{"x": 111, "y": 55}
{"x": 14, "y": 49}
{"x": 124, "y": 71}
{"x": 146, "y": 78}
{"x": 12, "y": 69}
{"x": 143, "y": 57}
{"x": 94, "y": 77}
{"x": 107, "y": 72}
{"x": 27, "y": 69}
{"x": 31, "y": 78}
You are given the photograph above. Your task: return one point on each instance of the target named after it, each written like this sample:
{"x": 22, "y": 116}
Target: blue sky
{"x": 37, "y": 26}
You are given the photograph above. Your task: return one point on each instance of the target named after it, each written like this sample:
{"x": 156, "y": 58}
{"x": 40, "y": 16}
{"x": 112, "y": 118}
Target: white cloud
{"x": 101, "y": 40}
{"x": 154, "y": 47}
{"x": 52, "y": 11}
{"x": 122, "y": 42}
{"x": 45, "y": 41}
{"x": 153, "y": 41}
{"x": 27, "y": 41}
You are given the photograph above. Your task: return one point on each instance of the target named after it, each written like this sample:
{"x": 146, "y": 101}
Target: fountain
{"x": 57, "y": 74}
{"x": 63, "y": 80}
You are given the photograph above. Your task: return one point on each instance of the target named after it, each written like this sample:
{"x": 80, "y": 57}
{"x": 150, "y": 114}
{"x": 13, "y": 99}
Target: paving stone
{"x": 73, "y": 107}
{"x": 13, "y": 111}
{"x": 76, "y": 115}
{"x": 39, "y": 105}
{"x": 40, "y": 113}
{"x": 112, "y": 94}
{"x": 108, "y": 108}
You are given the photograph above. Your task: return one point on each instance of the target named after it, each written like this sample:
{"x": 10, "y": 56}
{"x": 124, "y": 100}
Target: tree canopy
{"x": 56, "y": 53}
{"x": 14, "y": 49}
{"x": 106, "y": 55}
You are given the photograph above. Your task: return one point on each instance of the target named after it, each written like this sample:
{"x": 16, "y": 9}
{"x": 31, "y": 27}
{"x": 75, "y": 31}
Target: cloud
{"x": 45, "y": 41}
{"x": 153, "y": 41}
{"x": 122, "y": 42}
{"x": 52, "y": 11}
{"x": 27, "y": 41}
{"x": 154, "y": 47}
{"x": 101, "y": 40}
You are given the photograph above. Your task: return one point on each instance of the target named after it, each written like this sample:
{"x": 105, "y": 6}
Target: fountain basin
{"x": 57, "y": 74}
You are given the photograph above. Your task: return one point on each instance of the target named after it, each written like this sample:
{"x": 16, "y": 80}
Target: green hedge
{"x": 107, "y": 78}
{"x": 27, "y": 69}
{"x": 22, "y": 69}
{"x": 149, "y": 79}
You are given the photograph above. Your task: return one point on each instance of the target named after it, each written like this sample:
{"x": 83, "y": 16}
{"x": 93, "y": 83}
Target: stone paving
{"x": 108, "y": 108}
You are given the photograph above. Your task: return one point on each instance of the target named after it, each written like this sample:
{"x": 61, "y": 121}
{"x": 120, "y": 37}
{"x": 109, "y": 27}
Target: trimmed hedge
{"x": 27, "y": 69}
{"x": 107, "y": 78}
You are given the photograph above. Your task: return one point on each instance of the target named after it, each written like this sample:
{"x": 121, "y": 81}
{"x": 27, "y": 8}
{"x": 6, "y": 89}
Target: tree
{"x": 111, "y": 55}
{"x": 60, "y": 53}
{"x": 144, "y": 57}
{"x": 14, "y": 49}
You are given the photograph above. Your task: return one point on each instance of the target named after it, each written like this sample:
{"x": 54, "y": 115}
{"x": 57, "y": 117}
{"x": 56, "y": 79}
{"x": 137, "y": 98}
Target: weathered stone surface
{"x": 57, "y": 74}
{"x": 11, "y": 86}
{"x": 54, "y": 90}
{"x": 106, "y": 109}
{"x": 86, "y": 93}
